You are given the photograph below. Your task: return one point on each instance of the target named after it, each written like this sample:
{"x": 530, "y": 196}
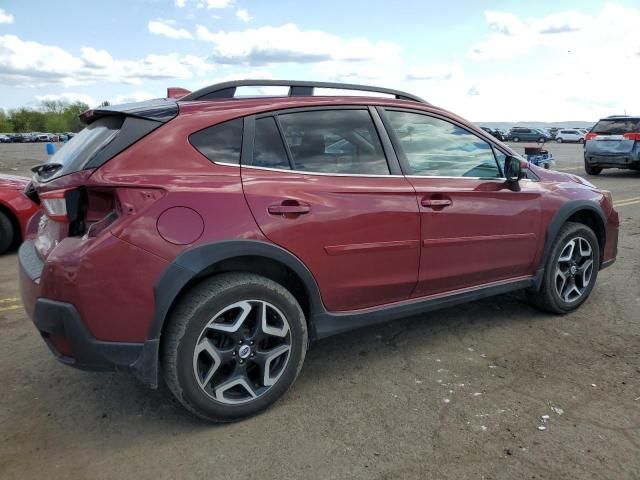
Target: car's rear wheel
{"x": 581, "y": 140}
{"x": 234, "y": 345}
{"x": 558, "y": 139}
{"x": 516, "y": 139}
{"x": 541, "y": 140}
{"x": 591, "y": 170}
{"x": 570, "y": 270}
{"x": 7, "y": 232}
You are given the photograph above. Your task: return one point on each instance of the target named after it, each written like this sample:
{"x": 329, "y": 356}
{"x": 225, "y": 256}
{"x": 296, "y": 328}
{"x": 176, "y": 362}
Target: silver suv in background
{"x": 614, "y": 142}
{"x": 569, "y": 135}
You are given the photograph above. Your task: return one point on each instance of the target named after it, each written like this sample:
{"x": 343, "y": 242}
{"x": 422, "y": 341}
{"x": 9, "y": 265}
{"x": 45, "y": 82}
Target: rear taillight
{"x": 55, "y": 205}
{"x": 632, "y": 136}
{"x": 591, "y": 136}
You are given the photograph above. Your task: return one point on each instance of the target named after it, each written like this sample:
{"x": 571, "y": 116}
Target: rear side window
{"x": 268, "y": 149}
{"x": 221, "y": 143}
{"x": 334, "y": 141}
{"x": 437, "y": 148}
{"x": 618, "y": 126}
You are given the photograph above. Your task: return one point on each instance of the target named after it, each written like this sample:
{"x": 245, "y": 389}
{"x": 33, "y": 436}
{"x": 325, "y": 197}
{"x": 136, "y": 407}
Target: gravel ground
{"x": 458, "y": 393}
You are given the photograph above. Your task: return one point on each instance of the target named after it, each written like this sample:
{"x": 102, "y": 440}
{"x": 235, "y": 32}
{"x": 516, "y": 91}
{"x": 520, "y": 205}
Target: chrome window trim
{"x": 304, "y": 172}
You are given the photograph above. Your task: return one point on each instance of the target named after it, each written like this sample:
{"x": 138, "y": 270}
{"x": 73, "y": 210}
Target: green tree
{"x": 5, "y": 123}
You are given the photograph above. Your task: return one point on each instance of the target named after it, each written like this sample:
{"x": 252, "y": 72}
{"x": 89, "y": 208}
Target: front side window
{"x": 334, "y": 141}
{"x": 435, "y": 147}
{"x": 220, "y": 143}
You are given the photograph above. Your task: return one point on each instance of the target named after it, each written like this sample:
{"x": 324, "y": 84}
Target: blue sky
{"x": 492, "y": 61}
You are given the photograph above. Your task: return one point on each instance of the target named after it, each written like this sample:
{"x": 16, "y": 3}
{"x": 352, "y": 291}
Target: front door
{"x": 327, "y": 195}
{"x": 474, "y": 230}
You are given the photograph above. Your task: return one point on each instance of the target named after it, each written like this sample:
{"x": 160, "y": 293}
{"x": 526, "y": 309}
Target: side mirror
{"x": 513, "y": 172}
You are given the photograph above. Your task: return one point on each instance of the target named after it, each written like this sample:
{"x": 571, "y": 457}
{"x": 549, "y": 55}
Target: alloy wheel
{"x": 242, "y": 351}
{"x": 574, "y": 268}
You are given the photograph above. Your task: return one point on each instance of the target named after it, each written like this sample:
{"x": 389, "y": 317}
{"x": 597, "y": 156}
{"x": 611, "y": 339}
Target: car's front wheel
{"x": 234, "y": 345}
{"x": 570, "y": 270}
{"x": 516, "y": 139}
{"x": 559, "y": 139}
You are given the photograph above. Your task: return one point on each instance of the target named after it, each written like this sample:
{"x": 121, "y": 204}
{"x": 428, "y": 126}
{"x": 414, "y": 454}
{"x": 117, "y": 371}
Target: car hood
{"x": 560, "y": 177}
{"x": 14, "y": 182}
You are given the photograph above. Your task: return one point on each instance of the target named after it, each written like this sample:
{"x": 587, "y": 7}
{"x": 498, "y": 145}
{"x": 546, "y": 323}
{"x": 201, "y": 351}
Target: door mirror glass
{"x": 512, "y": 169}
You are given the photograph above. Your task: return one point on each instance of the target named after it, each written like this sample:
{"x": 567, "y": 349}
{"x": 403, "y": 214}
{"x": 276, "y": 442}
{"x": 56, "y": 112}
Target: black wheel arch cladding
{"x": 197, "y": 262}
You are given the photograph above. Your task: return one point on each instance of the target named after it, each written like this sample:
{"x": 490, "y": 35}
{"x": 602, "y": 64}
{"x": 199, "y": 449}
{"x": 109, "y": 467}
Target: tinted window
{"x": 220, "y": 143}
{"x": 268, "y": 149}
{"x": 434, "y": 147}
{"x": 78, "y": 151}
{"x": 617, "y": 126}
{"x": 334, "y": 141}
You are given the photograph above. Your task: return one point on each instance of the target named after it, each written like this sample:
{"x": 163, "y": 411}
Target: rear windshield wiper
{"x": 46, "y": 168}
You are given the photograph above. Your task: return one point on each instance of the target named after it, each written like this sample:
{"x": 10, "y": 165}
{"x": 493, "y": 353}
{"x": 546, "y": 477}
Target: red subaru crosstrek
{"x": 211, "y": 238}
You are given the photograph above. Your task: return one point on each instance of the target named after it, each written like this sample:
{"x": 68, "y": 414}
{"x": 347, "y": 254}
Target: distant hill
{"x": 532, "y": 124}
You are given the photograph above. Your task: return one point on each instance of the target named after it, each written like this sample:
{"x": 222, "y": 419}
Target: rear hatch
{"x": 73, "y": 207}
{"x": 613, "y": 136}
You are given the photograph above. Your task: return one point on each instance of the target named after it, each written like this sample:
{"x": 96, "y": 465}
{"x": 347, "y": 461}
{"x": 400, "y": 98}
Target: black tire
{"x": 185, "y": 326}
{"x": 558, "y": 139}
{"x": 592, "y": 170}
{"x": 7, "y": 233}
{"x": 581, "y": 140}
{"x": 541, "y": 140}
{"x": 547, "y": 298}
{"x": 516, "y": 139}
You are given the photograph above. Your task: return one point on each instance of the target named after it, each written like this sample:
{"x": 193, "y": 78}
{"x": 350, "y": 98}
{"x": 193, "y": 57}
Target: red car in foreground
{"x": 15, "y": 210}
{"x": 212, "y": 238}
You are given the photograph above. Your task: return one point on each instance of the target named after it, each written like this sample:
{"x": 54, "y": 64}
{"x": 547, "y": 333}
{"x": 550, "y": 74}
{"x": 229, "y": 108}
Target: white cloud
{"x": 35, "y": 64}
{"x": 5, "y": 17}
{"x": 288, "y": 44}
{"x": 564, "y": 66}
{"x": 180, "y": 3}
{"x": 135, "y": 97}
{"x": 70, "y": 97}
{"x": 165, "y": 28}
{"x": 216, "y": 3}
{"x": 243, "y": 14}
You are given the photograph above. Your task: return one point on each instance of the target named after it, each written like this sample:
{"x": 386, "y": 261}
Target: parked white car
{"x": 569, "y": 135}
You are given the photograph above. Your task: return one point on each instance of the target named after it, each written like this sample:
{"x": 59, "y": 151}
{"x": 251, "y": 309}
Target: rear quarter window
{"x": 220, "y": 143}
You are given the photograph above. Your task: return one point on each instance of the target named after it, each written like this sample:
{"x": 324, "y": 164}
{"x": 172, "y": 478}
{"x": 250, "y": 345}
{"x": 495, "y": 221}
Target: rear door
{"x": 334, "y": 196}
{"x": 474, "y": 229}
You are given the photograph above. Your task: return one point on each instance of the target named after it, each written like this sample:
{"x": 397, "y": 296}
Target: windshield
{"x": 618, "y": 126}
{"x": 76, "y": 153}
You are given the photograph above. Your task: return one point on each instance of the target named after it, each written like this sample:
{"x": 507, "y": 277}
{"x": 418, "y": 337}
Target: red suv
{"x": 211, "y": 238}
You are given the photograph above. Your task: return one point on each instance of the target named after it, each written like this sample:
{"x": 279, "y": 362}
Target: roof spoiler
{"x": 160, "y": 110}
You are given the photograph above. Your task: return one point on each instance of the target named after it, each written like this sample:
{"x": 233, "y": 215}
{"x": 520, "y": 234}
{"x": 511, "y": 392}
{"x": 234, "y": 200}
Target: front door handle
{"x": 436, "y": 202}
{"x": 289, "y": 206}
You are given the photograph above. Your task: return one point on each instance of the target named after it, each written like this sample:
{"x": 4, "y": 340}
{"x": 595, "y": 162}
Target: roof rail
{"x": 297, "y": 88}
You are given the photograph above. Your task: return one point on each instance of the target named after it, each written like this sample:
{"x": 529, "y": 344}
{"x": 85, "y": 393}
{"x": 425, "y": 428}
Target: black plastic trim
{"x": 563, "y": 214}
{"x": 296, "y": 88}
{"x": 59, "y": 318}
{"x": 198, "y": 261}
{"x": 607, "y": 263}
{"x": 328, "y": 324}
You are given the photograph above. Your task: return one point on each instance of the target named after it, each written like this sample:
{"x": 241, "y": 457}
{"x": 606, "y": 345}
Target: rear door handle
{"x": 436, "y": 202}
{"x": 285, "y": 207}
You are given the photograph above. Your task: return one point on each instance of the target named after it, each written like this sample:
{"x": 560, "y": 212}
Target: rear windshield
{"x": 77, "y": 152}
{"x": 618, "y": 126}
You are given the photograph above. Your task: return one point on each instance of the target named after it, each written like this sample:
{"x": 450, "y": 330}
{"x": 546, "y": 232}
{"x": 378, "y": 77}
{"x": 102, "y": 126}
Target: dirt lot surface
{"x": 459, "y": 393}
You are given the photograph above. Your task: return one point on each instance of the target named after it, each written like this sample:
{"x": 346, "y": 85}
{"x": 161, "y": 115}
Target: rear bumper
{"x": 626, "y": 160}
{"x": 66, "y": 335}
